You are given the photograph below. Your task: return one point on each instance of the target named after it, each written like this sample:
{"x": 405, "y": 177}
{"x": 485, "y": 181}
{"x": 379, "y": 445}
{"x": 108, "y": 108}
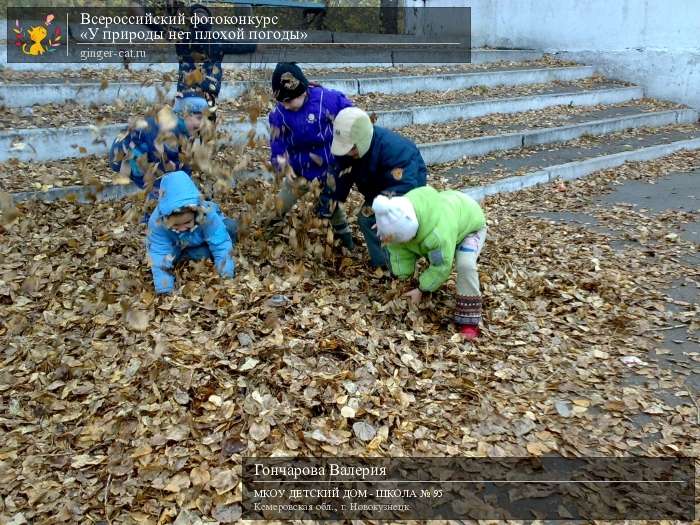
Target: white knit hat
{"x": 396, "y": 219}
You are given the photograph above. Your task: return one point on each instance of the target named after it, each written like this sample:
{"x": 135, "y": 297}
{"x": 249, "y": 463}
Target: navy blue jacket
{"x": 210, "y": 56}
{"x": 392, "y": 166}
{"x": 131, "y": 144}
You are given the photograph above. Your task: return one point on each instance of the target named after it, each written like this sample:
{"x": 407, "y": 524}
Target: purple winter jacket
{"x": 306, "y": 135}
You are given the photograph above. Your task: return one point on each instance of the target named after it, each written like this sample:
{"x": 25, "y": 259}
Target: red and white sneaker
{"x": 469, "y": 332}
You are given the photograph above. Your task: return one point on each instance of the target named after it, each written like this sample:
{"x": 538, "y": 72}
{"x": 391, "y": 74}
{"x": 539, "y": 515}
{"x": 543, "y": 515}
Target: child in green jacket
{"x": 440, "y": 226}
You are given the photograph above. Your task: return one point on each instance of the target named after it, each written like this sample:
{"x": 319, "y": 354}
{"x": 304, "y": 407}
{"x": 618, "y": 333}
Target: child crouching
{"x": 441, "y": 226}
{"x": 184, "y": 226}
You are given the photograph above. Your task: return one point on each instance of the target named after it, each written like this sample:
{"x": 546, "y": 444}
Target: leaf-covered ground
{"x": 124, "y": 407}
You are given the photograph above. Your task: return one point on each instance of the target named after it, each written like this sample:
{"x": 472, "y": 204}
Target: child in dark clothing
{"x": 144, "y": 154}
{"x": 378, "y": 161}
{"x": 200, "y": 61}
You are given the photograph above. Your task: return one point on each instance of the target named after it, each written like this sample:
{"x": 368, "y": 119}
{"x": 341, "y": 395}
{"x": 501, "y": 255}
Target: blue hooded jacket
{"x": 306, "y": 135}
{"x": 166, "y": 246}
{"x": 131, "y": 144}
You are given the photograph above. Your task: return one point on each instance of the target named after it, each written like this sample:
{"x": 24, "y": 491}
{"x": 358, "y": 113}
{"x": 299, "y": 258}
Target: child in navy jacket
{"x": 154, "y": 149}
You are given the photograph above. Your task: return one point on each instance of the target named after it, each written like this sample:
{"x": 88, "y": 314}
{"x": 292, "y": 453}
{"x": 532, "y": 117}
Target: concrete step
{"x": 383, "y": 101}
{"x": 83, "y": 141}
{"x": 533, "y": 167}
{"x": 602, "y": 91}
{"x": 56, "y": 143}
{"x": 25, "y": 175}
{"x": 450, "y": 150}
{"x": 236, "y": 72}
{"x": 546, "y": 117}
{"x": 579, "y": 169}
{"x": 518, "y": 162}
{"x": 478, "y": 56}
{"x": 22, "y": 95}
{"x": 435, "y": 114}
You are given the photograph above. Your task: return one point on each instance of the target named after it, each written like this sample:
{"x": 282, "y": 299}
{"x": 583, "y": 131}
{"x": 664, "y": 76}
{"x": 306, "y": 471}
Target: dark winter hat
{"x": 203, "y": 15}
{"x": 288, "y": 81}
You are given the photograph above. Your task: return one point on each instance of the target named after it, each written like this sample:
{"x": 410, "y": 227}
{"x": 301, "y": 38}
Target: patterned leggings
{"x": 468, "y": 292}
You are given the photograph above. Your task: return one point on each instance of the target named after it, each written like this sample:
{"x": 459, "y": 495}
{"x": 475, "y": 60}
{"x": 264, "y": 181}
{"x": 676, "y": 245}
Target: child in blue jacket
{"x": 184, "y": 226}
{"x": 301, "y": 132}
{"x": 156, "y": 147}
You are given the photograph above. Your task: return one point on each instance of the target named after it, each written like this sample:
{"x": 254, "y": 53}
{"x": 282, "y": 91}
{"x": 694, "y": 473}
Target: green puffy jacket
{"x": 445, "y": 218}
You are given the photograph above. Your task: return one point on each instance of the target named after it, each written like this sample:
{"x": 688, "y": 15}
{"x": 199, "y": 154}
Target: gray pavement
{"x": 673, "y": 349}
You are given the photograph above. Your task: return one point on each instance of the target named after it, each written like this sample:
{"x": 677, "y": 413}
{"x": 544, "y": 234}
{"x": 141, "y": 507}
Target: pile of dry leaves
{"x": 122, "y": 407}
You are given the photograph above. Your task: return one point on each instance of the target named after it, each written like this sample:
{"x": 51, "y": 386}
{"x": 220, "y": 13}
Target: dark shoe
{"x": 342, "y": 232}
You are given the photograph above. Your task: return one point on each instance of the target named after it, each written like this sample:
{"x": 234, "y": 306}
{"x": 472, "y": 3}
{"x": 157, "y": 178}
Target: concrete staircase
{"x": 509, "y": 121}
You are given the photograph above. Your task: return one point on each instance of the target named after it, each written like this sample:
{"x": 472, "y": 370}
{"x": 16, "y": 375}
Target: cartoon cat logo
{"x": 36, "y": 35}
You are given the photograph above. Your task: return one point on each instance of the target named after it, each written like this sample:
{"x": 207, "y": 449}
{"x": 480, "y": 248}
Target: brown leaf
{"x": 223, "y": 481}
{"x": 137, "y": 320}
{"x": 199, "y": 476}
{"x": 8, "y": 210}
{"x": 259, "y": 431}
{"x": 364, "y": 431}
{"x": 194, "y": 77}
{"x": 227, "y": 513}
{"x": 178, "y": 483}
{"x": 167, "y": 121}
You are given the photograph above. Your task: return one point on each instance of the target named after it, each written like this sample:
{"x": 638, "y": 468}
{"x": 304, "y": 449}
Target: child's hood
{"x": 426, "y": 203}
{"x": 177, "y": 190}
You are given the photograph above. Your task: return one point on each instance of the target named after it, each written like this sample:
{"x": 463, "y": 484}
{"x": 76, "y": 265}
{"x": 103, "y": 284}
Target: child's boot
{"x": 342, "y": 232}
{"x": 469, "y": 332}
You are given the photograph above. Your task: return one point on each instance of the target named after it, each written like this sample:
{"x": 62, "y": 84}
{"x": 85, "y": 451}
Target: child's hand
{"x": 415, "y": 295}
{"x": 289, "y": 174}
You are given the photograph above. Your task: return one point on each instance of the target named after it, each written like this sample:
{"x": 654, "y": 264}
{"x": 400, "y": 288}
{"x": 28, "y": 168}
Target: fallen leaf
{"x": 259, "y": 431}
{"x": 227, "y": 513}
{"x": 199, "y": 476}
{"x": 137, "y": 320}
{"x": 364, "y": 431}
{"x": 178, "y": 483}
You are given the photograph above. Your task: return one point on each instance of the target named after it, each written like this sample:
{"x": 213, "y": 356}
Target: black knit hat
{"x": 288, "y": 81}
{"x": 201, "y": 11}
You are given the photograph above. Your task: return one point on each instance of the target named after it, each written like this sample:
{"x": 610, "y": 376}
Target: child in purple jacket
{"x": 301, "y": 133}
